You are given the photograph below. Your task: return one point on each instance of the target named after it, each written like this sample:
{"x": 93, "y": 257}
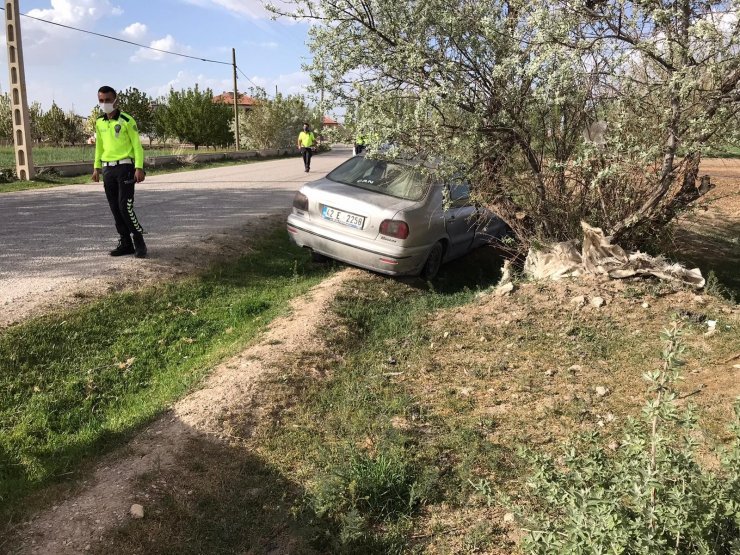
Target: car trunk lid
{"x": 351, "y": 209}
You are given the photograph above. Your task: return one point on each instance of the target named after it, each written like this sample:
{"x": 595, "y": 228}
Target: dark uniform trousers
{"x": 118, "y": 182}
{"x": 306, "y": 152}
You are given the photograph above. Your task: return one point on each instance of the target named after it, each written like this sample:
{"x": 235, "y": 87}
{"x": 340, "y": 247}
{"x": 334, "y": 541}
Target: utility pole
{"x": 321, "y": 100}
{"x": 18, "y": 98}
{"x": 321, "y": 108}
{"x": 236, "y": 98}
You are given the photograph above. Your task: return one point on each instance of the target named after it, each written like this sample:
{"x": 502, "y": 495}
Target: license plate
{"x": 346, "y": 218}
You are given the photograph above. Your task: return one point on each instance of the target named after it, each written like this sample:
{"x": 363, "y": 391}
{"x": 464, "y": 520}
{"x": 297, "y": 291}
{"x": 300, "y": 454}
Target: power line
{"x": 248, "y": 79}
{"x": 140, "y": 45}
{"x": 125, "y": 41}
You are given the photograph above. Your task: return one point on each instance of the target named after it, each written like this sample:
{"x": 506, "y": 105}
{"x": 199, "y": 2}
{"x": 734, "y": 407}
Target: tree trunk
{"x": 689, "y": 191}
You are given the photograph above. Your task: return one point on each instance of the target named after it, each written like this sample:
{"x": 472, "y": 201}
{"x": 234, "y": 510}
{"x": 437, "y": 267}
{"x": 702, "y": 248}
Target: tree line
{"x": 188, "y": 116}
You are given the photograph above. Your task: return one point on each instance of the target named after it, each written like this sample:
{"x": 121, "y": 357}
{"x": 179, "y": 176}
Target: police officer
{"x": 306, "y": 144}
{"x": 359, "y": 144}
{"x": 119, "y": 154}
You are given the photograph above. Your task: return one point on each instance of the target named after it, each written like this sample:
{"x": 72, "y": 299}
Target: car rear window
{"x": 383, "y": 177}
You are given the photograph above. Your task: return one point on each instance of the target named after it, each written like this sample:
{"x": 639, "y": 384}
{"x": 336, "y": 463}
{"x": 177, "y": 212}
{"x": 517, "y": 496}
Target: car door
{"x": 460, "y": 221}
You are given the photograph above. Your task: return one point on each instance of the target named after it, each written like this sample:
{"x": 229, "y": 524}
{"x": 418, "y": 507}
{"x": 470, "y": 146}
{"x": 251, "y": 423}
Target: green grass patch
{"x": 49, "y": 181}
{"x": 729, "y": 151}
{"x": 400, "y": 434}
{"x": 368, "y": 474}
{"x": 76, "y": 383}
{"x": 46, "y": 155}
{"x": 334, "y": 472}
{"x": 38, "y": 183}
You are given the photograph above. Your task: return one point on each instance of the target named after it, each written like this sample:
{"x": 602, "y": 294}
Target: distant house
{"x": 329, "y": 122}
{"x": 244, "y": 102}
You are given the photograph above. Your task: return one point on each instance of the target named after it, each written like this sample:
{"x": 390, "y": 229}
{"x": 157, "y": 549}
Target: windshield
{"x": 383, "y": 177}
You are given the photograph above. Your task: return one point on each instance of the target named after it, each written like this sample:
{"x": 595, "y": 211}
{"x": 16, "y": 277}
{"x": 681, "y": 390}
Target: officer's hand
{"x": 96, "y": 175}
{"x": 139, "y": 175}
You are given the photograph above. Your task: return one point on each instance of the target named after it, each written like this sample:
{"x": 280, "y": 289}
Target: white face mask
{"x": 108, "y": 107}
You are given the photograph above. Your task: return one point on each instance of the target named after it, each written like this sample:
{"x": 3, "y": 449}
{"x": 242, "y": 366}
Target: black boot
{"x": 125, "y": 246}
{"x": 139, "y": 246}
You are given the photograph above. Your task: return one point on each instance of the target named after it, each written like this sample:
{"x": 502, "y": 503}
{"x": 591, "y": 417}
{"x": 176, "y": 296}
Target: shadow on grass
{"x": 223, "y": 499}
{"x": 219, "y": 499}
{"x": 712, "y": 247}
{"x": 478, "y": 270}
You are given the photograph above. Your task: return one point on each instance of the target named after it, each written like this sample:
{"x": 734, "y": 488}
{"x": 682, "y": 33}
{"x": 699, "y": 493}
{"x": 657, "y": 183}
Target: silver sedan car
{"x": 389, "y": 217}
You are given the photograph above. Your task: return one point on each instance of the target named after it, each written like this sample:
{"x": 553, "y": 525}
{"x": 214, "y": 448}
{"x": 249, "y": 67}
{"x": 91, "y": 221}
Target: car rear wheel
{"x": 318, "y": 257}
{"x": 433, "y": 263}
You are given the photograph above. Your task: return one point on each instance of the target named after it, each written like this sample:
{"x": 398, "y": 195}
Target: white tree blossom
{"x": 505, "y": 91}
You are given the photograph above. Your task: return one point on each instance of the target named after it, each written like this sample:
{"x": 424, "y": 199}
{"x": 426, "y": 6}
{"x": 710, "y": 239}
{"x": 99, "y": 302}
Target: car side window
{"x": 459, "y": 194}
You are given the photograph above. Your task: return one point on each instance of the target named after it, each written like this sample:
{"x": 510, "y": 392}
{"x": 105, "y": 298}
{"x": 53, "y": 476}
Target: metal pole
{"x": 321, "y": 100}
{"x": 236, "y": 98}
{"x": 18, "y": 98}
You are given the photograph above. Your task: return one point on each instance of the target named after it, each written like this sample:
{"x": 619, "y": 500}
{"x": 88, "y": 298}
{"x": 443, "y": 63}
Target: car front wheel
{"x": 433, "y": 263}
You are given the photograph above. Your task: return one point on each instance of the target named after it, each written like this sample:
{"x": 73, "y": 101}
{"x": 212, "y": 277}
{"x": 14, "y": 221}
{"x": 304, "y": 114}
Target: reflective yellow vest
{"x": 116, "y": 139}
{"x": 306, "y": 139}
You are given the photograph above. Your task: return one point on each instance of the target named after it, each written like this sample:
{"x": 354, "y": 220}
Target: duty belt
{"x": 118, "y": 162}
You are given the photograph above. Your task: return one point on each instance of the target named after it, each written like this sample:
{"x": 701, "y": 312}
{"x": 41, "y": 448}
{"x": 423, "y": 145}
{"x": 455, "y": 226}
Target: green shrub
{"x": 366, "y": 491}
{"x": 645, "y": 494}
{"x": 379, "y": 487}
{"x": 8, "y": 175}
{"x": 715, "y": 287}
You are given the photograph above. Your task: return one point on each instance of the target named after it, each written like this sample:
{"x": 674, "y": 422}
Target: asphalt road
{"x": 54, "y": 240}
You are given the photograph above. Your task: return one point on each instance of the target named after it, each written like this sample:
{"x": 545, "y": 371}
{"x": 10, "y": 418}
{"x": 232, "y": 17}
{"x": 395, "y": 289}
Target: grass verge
{"x": 729, "y": 151}
{"x": 75, "y": 384}
{"x": 46, "y": 182}
{"x": 43, "y": 155}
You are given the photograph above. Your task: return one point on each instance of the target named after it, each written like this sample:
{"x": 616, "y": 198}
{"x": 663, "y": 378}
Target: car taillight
{"x": 394, "y": 228}
{"x": 300, "y": 201}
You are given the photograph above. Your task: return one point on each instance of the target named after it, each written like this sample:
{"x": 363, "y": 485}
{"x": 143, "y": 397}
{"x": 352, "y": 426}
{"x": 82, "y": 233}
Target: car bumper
{"x": 393, "y": 260}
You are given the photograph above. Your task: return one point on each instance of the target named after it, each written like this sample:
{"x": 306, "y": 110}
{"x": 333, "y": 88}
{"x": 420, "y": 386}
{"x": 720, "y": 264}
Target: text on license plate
{"x": 352, "y": 220}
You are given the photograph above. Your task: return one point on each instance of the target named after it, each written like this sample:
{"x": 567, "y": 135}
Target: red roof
{"x": 228, "y": 98}
{"x": 328, "y": 120}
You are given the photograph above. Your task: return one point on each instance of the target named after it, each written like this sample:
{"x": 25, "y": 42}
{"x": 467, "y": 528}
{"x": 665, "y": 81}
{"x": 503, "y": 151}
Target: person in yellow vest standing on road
{"x": 359, "y": 145}
{"x": 118, "y": 153}
{"x": 306, "y": 144}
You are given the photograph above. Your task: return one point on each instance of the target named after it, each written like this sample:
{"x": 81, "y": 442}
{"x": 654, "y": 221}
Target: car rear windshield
{"x": 383, "y": 177}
